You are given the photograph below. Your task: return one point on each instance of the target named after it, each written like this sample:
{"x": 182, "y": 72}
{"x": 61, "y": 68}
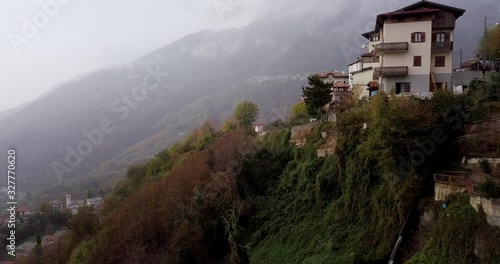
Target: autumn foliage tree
{"x": 490, "y": 46}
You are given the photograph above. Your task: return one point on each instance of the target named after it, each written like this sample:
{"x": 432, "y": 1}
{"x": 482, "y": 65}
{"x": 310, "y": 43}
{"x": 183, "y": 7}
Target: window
{"x": 402, "y": 87}
{"x": 440, "y": 61}
{"x": 418, "y": 37}
{"x": 375, "y": 38}
{"x": 440, "y": 37}
{"x": 417, "y": 61}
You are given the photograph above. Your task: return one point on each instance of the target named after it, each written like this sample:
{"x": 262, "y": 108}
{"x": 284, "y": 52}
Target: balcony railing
{"x": 443, "y": 23}
{"x": 392, "y": 47}
{"x": 391, "y": 71}
{"x": 447, "y": 45}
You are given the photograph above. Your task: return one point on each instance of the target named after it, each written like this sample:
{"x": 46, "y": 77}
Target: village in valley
{"x": 56, "y": 212}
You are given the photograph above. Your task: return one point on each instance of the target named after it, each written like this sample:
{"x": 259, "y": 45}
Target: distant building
{"x": 22, "y": 210}
{"x": 341, "y": 93}
{"x": 361, "y": 71}
{"x": 333, "y": 77}
{"x": 94, "y": 202}
{"x": 260, "y": 127}
{"x": 56, "y": 205}
{"x": 74, "y": 205}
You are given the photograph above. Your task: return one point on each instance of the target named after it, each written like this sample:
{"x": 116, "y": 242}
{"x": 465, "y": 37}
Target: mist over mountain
{"x": 192, "y": 74}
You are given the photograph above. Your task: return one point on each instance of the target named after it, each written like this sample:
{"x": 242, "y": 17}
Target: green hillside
{"x": 229, "y": 196}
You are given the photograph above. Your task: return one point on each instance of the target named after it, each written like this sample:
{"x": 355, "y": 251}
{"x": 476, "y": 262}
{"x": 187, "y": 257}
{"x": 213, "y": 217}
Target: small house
{"x": 260, "y": 128}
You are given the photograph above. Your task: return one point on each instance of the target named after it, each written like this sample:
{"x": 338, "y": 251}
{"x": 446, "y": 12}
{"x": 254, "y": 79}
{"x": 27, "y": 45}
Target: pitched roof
{"x": 458, "y": 12}
{"x": 419, "y": 11}
{"x": 367, "y": 35}
{"x": 56, "y": 202}
{"x": 332, "y": 73}
{"x": 22, "y": 209}
{"x": 340, "y": 85}
{"x": 419, "y": 7}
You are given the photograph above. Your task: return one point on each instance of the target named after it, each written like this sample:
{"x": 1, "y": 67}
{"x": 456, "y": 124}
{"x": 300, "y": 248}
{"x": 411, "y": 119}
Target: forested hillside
{"x": 229, "y": 196}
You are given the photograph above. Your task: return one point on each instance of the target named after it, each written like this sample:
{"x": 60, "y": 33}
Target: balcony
{"x": 392, "y": 47}
{"x": 391, "y": 71}
{"x": 443, "y": 23}
{"x": 442, "y": 46}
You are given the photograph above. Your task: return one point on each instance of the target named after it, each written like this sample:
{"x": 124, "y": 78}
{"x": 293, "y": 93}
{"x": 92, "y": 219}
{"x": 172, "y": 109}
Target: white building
{"x": 74, "y": 205}
{"x": 414, "y": 46}
{"x": 362, "y": 81}
{"x": 333, "y": 77}
{"x": 260, "y": 128}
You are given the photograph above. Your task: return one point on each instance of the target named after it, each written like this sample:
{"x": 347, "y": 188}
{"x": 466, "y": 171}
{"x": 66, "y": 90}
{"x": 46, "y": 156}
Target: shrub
{"x": 489, "y": 189}
{"x": 485, "y": 166}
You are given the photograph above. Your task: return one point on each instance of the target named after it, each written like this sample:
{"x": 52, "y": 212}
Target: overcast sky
{"x": 85, "y": 35}
{"x": 78, "y": 36}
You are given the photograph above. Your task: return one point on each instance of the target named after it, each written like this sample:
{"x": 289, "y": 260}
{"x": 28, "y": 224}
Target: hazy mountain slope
{"x": 198, "y": 65}
{"x": 274, "y": 99}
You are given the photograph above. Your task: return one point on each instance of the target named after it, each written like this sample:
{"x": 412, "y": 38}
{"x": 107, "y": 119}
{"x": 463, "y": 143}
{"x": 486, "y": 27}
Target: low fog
{"x": 72, "y": 37}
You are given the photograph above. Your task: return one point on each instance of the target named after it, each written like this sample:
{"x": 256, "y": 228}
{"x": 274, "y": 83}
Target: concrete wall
{"x": 419, "y": 83}
{"x": 300, "y": 133}
{"x": 442, "y": 191}
{"x": 491, "y": 207}
{"x": 473, "y": 164}
{"x": 444, "y": 78}
{"x": 464, "y": 78}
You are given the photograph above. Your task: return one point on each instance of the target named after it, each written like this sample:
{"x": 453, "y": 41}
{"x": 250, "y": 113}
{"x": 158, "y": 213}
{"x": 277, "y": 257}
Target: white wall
{"x": 401, "y": 32}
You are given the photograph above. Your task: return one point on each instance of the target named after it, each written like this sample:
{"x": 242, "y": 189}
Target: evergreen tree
{"x": 317, "y": 95}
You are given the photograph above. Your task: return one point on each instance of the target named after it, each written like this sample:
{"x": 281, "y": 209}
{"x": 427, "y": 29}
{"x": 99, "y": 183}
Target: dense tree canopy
{"x": 299, "y": 110}
{"x": 491, "y": 44}
{"x": 246, "y": 113}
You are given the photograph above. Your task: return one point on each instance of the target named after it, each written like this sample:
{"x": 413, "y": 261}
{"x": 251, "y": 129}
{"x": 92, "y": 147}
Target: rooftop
{"x": 332, "y": 73}
{"x": 420, "y": 7}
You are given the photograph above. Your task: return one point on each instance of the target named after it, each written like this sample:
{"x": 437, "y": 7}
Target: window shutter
{"x": 423, "y": 36}
{"x": 440, "y": 61}
{"x": 447, "y": 37}
{"x": 434, "y": 37}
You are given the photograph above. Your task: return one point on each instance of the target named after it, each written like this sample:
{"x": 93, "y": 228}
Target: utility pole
{"x": 461, "y": 49}
{"x": 484, "y": 42}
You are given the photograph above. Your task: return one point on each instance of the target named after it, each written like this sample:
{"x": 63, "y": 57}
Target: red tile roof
{"x": 340, "y": 85}
{"x": 333, "y": 73}
{"x": 22, "y": 209}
